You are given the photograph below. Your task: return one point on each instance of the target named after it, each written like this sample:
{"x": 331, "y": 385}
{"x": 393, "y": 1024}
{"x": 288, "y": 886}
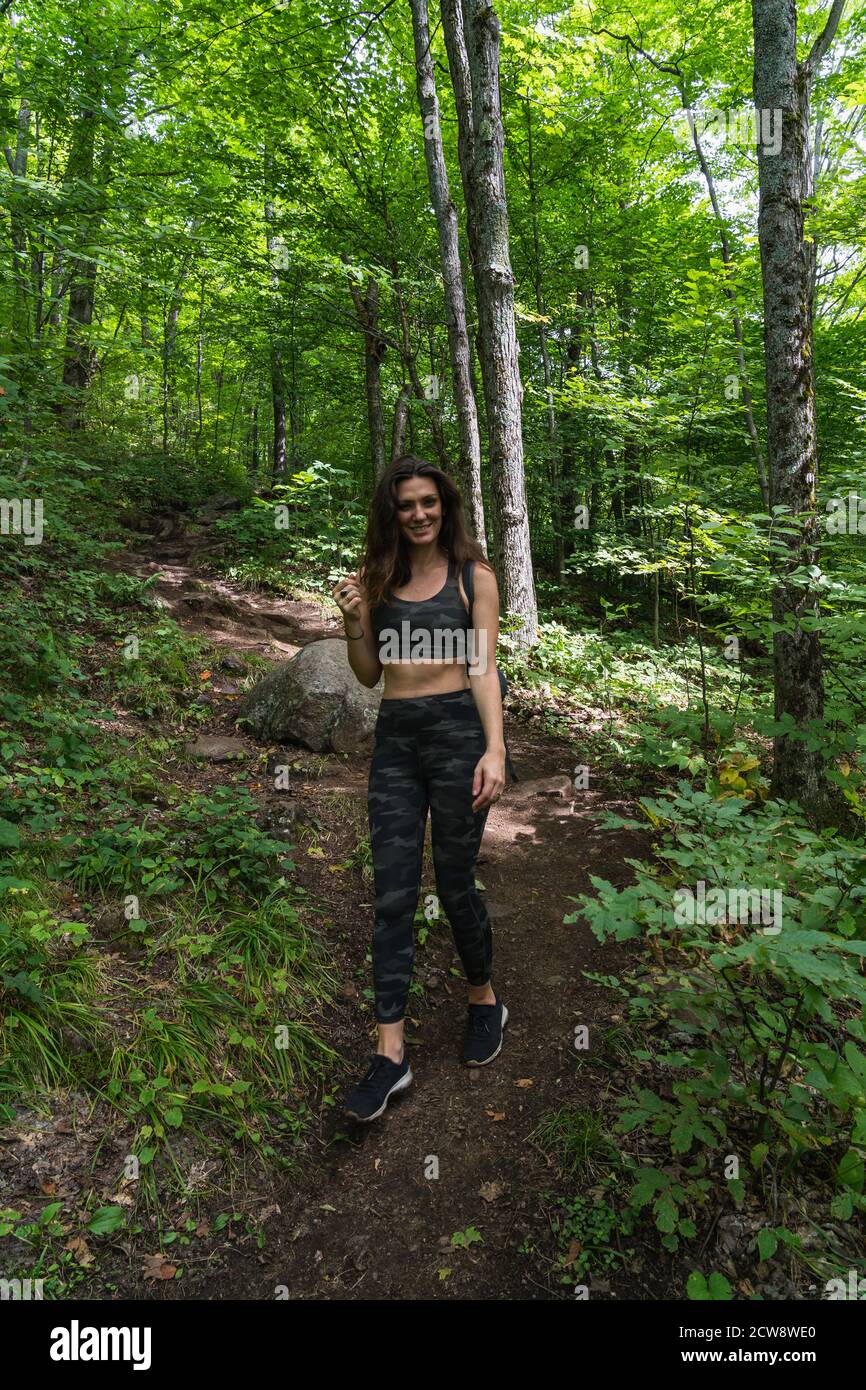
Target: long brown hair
{"x": 385, "y": 562}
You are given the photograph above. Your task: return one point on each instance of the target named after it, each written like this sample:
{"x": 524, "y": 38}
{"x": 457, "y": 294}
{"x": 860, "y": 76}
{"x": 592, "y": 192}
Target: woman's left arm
{"x": 489, "y": 780}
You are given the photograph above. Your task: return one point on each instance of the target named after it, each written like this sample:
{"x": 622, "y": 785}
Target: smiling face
{"x": 419, "y": 511}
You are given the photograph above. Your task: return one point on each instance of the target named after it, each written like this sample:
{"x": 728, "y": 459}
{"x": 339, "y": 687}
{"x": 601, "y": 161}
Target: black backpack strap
{"x": 468, "y": 567}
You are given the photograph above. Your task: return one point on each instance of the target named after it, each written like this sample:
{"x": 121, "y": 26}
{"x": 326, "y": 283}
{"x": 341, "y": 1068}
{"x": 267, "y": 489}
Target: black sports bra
{"x": 443, "y": 613}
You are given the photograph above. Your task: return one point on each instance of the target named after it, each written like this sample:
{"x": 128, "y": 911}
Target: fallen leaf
{"x": 491, "y": 1191}
{"x": 157, "y": 1267}
{"x": 572, "y": 1252}
{"x": 202, "y": 1229}
{"x": 79, "y": 1249}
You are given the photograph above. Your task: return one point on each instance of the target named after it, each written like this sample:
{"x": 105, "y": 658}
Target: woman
{"x": 439, "y": 745}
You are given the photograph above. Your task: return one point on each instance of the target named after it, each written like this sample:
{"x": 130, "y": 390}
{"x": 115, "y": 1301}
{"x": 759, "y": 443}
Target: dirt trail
{"x": 366, "y": 1218}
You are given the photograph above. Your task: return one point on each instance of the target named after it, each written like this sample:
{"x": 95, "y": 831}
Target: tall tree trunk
{"x": 18, "y": 329}
{"x": 38, "y": 255}
{"x": 367, "y": 313}
{"x": 294, "y": 394}
{"x": 199, "y": 363}
{"x": 454, "y": 33}
{"x": 785, "y": 184}
{"x": 469, "y": 469}
{"x": 553, "y": 461}
{"x": 171, "y": 317}
{"x": 630, "y": 484}
{"x": 494, "y": 294}
{"x": 278, "y": 401}
{"x": 278, "y": 384}
{"x": 401, "y": 422}
{"x": 410, "y": 363}
{"x": 79, "y": 359}
{"x": 567, "y": 497}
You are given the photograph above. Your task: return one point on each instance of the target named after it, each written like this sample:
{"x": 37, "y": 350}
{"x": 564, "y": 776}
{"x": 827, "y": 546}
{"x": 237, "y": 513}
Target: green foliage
{"x": 211, "y": 842}
{"x": 762, "y": 998}
{"x": 578, "y": 1141}
{"x": 588, "y": 1232}
{"x": 463, "y": 1239}
{"x": 702, "y": 1289}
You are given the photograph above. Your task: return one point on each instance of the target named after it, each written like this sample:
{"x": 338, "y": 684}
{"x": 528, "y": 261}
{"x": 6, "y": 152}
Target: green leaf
{"x": 10, "y": 837}
{"x": 849, "y": 1173}
{"x": 105, "y": 1220}
{"x": 768, "y": 1244}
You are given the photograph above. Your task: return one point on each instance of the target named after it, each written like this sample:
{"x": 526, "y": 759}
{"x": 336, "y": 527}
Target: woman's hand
{"x": 346, "y": 593}
{"x": 489, "y": 780}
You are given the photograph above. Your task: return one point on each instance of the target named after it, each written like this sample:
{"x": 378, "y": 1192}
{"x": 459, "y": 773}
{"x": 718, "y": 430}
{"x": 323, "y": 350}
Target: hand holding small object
{"x": 346, "y": 594}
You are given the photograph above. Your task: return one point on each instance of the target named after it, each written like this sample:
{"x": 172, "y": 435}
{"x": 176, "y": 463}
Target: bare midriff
{"x": 405, "y": 680}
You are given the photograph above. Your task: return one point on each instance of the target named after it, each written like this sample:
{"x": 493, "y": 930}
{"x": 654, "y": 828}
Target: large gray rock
{"x": 315, "y": 699}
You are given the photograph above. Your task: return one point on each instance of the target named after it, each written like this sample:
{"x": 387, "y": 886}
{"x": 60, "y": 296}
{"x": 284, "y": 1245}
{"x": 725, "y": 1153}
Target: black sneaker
{"x": 372, "y": 1093}
{"x": 484, "y": 1033}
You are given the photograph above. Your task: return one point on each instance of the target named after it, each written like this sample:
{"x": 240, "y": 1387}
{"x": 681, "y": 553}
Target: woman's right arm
{"x": 361, "y": 647}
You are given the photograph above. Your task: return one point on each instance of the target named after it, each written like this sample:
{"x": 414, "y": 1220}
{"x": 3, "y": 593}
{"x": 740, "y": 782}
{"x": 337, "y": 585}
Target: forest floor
{"x": 363, "y": 1217}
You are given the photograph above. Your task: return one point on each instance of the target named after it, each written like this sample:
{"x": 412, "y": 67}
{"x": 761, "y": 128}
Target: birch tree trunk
{"x": 785, "y": 184}
{"x": 494, "y": 294}
{"x": 469, "y": 469}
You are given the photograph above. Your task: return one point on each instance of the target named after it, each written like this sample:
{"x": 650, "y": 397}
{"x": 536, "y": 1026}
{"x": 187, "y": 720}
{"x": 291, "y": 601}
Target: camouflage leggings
{"x": 425, "y": 754}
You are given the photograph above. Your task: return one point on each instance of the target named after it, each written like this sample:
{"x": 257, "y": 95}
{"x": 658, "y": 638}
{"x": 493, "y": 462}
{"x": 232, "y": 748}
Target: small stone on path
{"x": 217, "y": 748}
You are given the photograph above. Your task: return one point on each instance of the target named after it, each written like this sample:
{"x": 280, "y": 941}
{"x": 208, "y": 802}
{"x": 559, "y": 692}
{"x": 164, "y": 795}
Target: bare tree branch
{"x": 824, "y": 40}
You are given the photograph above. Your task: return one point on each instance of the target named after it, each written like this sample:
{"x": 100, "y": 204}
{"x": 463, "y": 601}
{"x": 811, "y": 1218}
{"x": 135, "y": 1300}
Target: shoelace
{"x": 479, "y": 1024}
{"x": 370, "y": 1080}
